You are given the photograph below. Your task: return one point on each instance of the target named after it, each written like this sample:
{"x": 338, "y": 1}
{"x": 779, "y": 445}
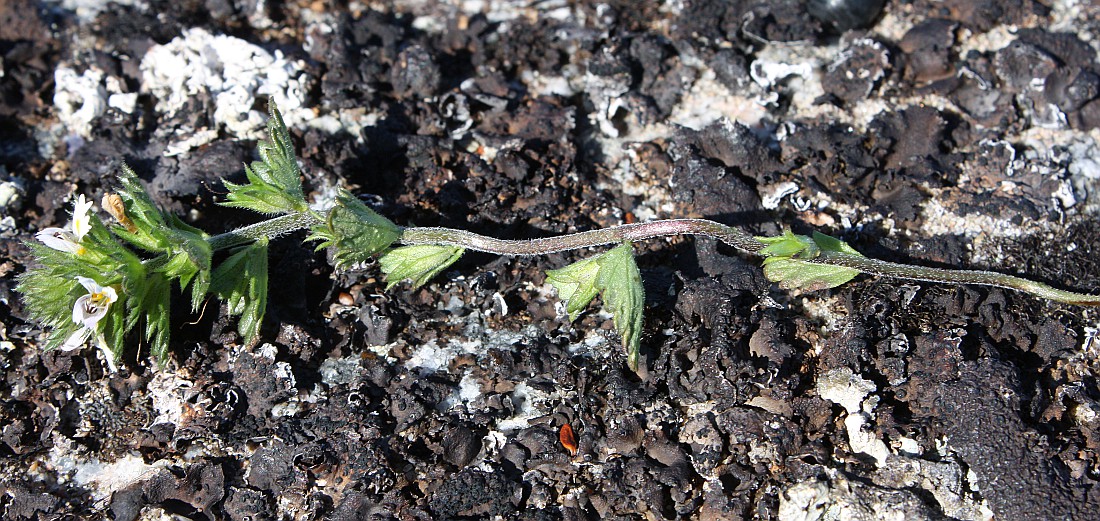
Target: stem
{"x": 740, "y": 240}
{"x": 949, "y": 276}
{"x": 270, "y": 228}
{"x": 573, "y": 241}
{"x": 664, "y": 228}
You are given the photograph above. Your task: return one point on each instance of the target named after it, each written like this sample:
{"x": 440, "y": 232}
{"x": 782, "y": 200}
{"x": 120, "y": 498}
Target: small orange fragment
{"x": 567, "y": 439}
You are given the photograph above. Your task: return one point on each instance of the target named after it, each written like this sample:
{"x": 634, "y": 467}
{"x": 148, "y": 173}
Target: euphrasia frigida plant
{"x": 95, "y": 282}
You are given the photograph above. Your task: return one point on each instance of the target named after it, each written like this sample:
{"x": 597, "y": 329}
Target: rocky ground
{"x": 941, "y": 132}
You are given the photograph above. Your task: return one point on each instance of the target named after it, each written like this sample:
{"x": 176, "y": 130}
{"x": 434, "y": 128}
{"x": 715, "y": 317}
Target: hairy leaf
{"x": 417, "y": 263}
{"x": 789, "y": 261}
{"x": 241, "y": 281}
{"x": 615, "y": 275}
{"x": 354, "y": 231}
{"x": 274, "y": 183}
{"x": 576, "y": 284}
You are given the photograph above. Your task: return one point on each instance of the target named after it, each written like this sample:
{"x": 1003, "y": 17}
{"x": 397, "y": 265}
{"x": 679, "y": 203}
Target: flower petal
{"x": 76, "y": 340}
{"x": 89, "y": 284}
{"x": 81, "y": 223}
{"x": 59, "y": 239}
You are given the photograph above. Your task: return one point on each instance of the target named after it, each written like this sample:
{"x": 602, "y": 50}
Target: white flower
{"x": 60, "y": 239}
{"x": 81, "y": 222}
{"x": 89, "y": 310}
{"x": 69, "y": 239}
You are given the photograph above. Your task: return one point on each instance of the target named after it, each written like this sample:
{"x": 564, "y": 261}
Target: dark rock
{"x": 200, "y": 486}
{"x": 856, "y": 71}
{"x": 475, "y": 493}
{"x": 23, "y": 503}
{"x": 979, "y": 406}
{"x": 846, "y": 14}
{"x": 1020, "y": 65}
{"x": 246, "y": 504}
{"x": 928, "y": 51}
{"x": 415, "y": 74}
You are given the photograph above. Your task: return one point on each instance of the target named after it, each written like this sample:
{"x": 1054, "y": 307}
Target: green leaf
{"x": 186, "y": 255}
{"x": 789, "y": 261}
{"x": 624, "y": 296}
{"x": 615, "y": 275}
{"x": 828, "y": 243}
{"x": 274, "y": 183}
{"x": 49, "y": 294}
{"x": 241, "y": 281}
{"x": 576, "y": 284}
{"x": 279, "y": 165}
{"x": 788, "y": 245}
{"x": 149, "y": 227}
{"x": 354, "y": 231}
{"x": 113, "y": 329}
{"x": 417, "y": 263}
{"x": 807, "y": 276}
{"x": 156, "y": 305}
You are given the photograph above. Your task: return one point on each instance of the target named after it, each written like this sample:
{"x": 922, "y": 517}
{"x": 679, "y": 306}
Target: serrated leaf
{"x": 274, "y": 182}
{"x": 149, "y": 231}
{"x": 788, "y": 245}
{"x": 241, "y": 282}
{"x": 418, "y": 263}
{"x": 278, "y": 155}
{"x": 829, "y": 243}
{"x": 258, "y": 196}
{"x": 157, "y": 308}
{"x": 804, "y": 275}
{"x": 624, "y": 297}
{"x": 354, "y": 231}
{"x": 576, "y": 284}
{"x": 615, "y": 275}
{"x": 185, "y": 253}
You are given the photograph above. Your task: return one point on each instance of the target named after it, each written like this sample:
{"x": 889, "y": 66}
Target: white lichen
{"x": 234, "y": 73}
{"x": 79, "y": 99}
{"x": 843, "y": 387}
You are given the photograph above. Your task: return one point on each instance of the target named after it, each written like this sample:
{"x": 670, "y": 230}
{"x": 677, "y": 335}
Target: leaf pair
{"x": 789, "y": 261}
{"x": 183, "y": 252}
{"x": 241, "y": 281}
{"x": 354, "y": 231}
{"x": 615, "y": 275}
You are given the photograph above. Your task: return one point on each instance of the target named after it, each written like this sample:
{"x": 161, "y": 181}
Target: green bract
{"x": 183, "y": 253}
{"x": 417, "y": 263}
{"x": 576, "y": 284}
{"x": 615, "y": 275}
{"x": 788, "y": 245}
{"x": 354, "y": 231}
{"x": 241, "y": 281}
{"x": 57, "y": 291}
{"x": 789, "y": 261}
{"x": 274, "y": 184}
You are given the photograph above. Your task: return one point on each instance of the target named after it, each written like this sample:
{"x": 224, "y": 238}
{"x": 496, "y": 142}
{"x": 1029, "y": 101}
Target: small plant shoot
{"x": 96, "y": 282}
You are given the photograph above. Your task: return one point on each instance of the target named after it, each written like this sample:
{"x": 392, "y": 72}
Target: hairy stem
{"x": 664, "y": 228}
{"x": 270, "y": 228}
{"x": 573, "y": 241}
{"x": 740, "y": 240}
{"x": 949, "y": 276}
